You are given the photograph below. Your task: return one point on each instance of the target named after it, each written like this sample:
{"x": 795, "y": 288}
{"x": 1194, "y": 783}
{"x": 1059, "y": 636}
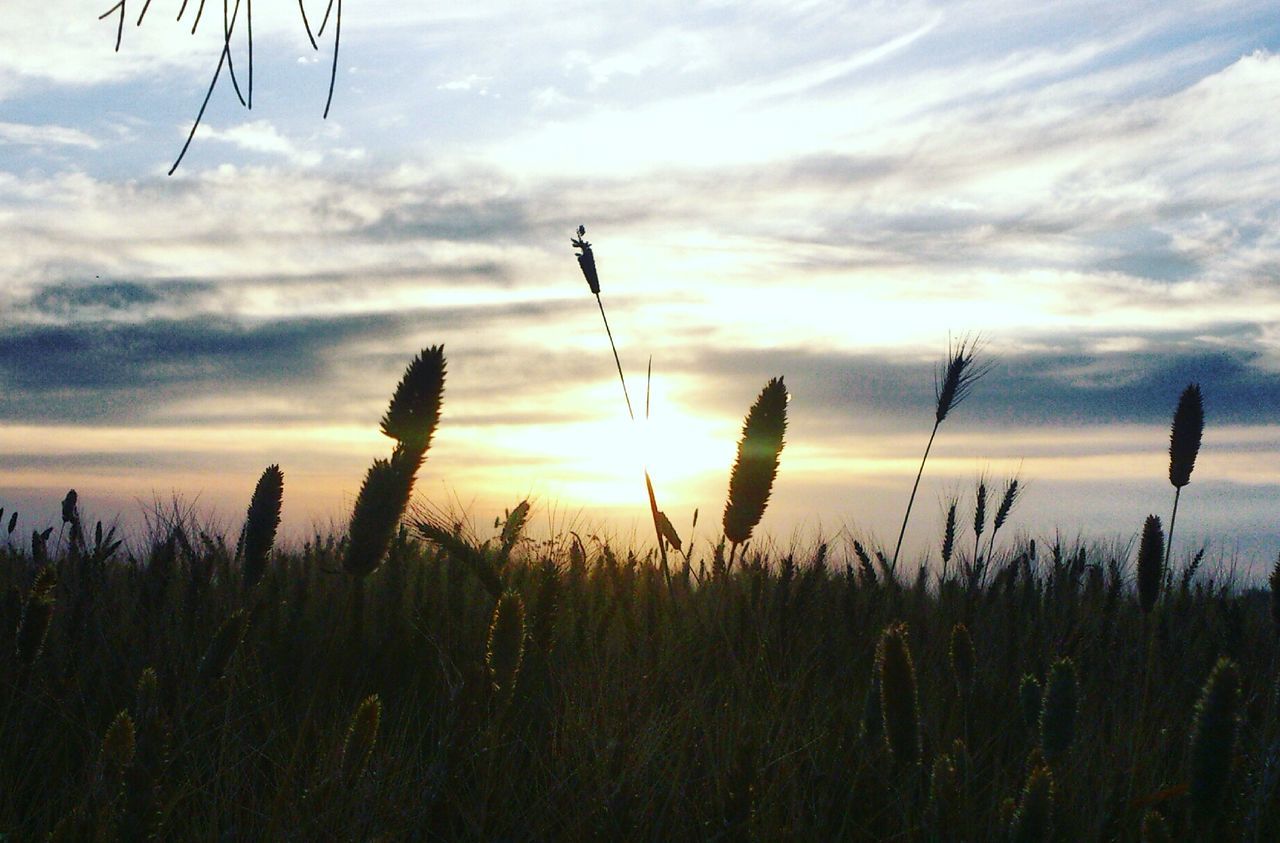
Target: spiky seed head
{"x": 980, "y": 507}
{"x": 118, "y": 744}
{"x": 899, "y": 703}
{"x": 414, "y": 412}
{"x": 261, "y": 523}
{"x": 956, "y": 377}
{"x": 586, "y": 260}
{"x": 963, "y": 658}
{"x": 1033, "y": 821}
{"x": 383, "y": 497}
{"x": 1058, "y": 714}
{"x": 949, "y": 533}
{"x": 1030, "y": 699}
{"x": 756, "y": 465}
{"x": 1213, "y": 740}
{"x": 1150, "y": 563}
{"x": 1007, "y": 500}
{"x": 362, "y": 738}
{"x": 505, "y": 650}
{"x": 1184, "y": 437}
{"x": 668, "y": 531}
{"x": 213, "y": 665}
{"x": 1155, "y": 829}
{"x": 37, "y": 612}
{"x": 13, "y": 523}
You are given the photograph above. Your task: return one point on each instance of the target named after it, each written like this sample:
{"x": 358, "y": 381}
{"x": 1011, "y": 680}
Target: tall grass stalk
{"x": 956, "y": 379}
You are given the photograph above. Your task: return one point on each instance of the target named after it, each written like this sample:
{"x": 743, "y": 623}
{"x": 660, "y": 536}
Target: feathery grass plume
{"x": 899, "y": 704}
{"x": 414, "y": 412}
{"x": 963, "y": 658}
{"x": 1274, "y": 582}
{"x": 505, "y": 649}
{"x": 1184, "y": 445}
{"x": 756, "y": 465}
{"x": 1150, "y": 562}
{"x": 37, "y": 612}
{"x": 213, "y": 665}
{"x": 1155, "y": 829}
{"x": 385, "y": 493}
{"x": 952, "y": 384}
{"x": 261, "y": 523}
{"x": 1030, "y": 700}
{"x": 1033, "y": 821}
{"x": 362, "y": 738}
{"x": 1213, "y": 740}
{"x": 1058, "y": 712}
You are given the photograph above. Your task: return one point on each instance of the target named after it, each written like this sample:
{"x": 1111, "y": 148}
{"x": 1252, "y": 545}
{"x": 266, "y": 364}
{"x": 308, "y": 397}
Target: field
{"x": 410, "y": 680}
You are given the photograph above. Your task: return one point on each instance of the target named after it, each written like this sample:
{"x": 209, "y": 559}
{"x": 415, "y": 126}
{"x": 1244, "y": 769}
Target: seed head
{"x": 756, "y": 466}
{"x": 37, "y": 612}
{"x": 1058, "y": 714}
{"x": 899, "y": 703}
{"x": 1150, "y": 563}
{"x": 1184, "y": 437}
{"x": 505, "y": 650}
{"x": 261, "y": 523}
{"x": 414, "y": 412}
{"x": 586, "y": 260}
{"x": 1213, "y": 741}
{"x": 1033, "y": 821}
{"x": 956, "y": 377}
{"x": 362, "y": 737}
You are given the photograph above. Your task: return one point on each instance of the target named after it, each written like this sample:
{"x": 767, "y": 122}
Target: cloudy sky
{"x": 817, "y": 190}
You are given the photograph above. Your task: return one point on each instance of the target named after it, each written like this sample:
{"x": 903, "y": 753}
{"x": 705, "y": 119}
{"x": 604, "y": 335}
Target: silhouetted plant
{"x": 261, "y": 523}
{"x": 1033, "y": 821}
{"x": 1150, "y": 563}
{"x": 1058, "y": 711}
{"x": 1213, "y": 740}
{"x": 899, "y": 703}
{"x": 1184, "y": 445}
{"x": 756, "y": 465}
{"x": 953, "y": 384}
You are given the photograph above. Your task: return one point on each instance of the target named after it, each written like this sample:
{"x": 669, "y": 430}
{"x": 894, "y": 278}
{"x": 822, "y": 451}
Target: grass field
{"x": 409, "y": 680}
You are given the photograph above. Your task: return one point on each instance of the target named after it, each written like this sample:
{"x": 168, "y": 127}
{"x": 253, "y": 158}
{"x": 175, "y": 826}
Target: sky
{"x": 822, "y": 191}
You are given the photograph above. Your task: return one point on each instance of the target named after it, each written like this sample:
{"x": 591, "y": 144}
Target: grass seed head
{"x": 1033, "y": 821}
{"x": 1150, "y": 563}
{"x": 1155, "y": 829}
{"x": 37, "y": 613}
{"x": 956, "y": 377}
{"x": 949, "y": 533}
{"x": 362, "y": 738}
{"x": 899, "y": 703}
{"x": 756, "y": 465}
{"x": 505, "y": 650}
{"x": 1058, "y": 713}
{"x": 118, "y": 744}
{"x": 261, "y": 523}
{"x": 1184, "y": 437}
{"x": 586, "y": 260}
{"x": 383, "y": 497}
{"x": 1213, "y": 741}
{"x": 414, "y": 412}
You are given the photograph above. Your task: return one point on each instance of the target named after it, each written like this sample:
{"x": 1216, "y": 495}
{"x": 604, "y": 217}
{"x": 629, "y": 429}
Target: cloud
{"x": 27, "y": 135}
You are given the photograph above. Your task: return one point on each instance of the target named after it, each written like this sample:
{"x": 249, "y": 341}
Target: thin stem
{"x": 616, "y": 360}
{"x": 1168, "y": 547}
{"x": 912, "y": 500}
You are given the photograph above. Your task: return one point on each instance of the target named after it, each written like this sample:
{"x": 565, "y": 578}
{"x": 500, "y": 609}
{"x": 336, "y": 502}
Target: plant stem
{"x": 912, "y": 500}
{"x": 1168, "y": 548}
{"x": 616, "y": 361}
